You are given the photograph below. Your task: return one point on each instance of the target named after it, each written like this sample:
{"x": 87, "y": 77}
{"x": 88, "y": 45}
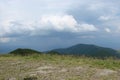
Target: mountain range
{"x": 88, "y": 50}
{"x": 77, "y": 50}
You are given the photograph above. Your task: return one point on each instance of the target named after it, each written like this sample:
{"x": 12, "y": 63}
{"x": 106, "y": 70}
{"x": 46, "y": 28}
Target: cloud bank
{"x": 46, "y": 24}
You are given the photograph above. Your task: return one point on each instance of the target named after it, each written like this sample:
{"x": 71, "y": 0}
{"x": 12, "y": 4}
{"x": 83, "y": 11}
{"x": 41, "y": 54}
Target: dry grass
{"x": 56, "y": 67}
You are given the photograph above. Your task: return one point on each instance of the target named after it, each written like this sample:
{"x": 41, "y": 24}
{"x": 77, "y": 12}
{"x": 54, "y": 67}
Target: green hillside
{"x": 24, "y": 52}
{"x": 89, "y": 50}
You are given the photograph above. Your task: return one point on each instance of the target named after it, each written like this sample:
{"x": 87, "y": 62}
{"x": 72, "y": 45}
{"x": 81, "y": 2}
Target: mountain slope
{"x": 89, "y": 50}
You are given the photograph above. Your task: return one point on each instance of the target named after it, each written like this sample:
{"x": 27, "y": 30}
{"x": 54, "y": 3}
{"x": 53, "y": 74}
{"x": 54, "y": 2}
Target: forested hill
{"x": 89, "y": 50}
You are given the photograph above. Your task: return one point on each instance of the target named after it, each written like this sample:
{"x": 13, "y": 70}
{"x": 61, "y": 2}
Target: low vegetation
{"x": 57, "y": 67}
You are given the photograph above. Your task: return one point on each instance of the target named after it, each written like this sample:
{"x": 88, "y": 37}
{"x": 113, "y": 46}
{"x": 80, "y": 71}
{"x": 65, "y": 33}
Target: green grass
{"x": 21, "y": 66}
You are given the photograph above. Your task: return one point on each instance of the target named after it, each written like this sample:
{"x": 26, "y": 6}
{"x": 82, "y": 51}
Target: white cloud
{"x": 107, "y": 30}
{"x": 65, "y": 23}
{"x": 60, "y": 23}
{"x": 105, "y": 18}
{"x": 112, "y": 24}
{"x": 86, "y": 27}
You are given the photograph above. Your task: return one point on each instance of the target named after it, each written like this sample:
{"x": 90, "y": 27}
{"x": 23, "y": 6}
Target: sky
{"x": 48, "y": 24}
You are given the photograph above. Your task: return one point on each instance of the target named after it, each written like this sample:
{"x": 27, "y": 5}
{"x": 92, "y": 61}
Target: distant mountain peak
{"x": 88, "y": 50}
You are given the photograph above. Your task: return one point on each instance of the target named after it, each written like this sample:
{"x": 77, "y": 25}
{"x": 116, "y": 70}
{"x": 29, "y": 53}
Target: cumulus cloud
{"x": 107, "y": 30}
{"x": 13, "y": 28}
{"x": 65, "y": 23}
{"x": 105, "y": 18}
{"x": 59, "y": 23}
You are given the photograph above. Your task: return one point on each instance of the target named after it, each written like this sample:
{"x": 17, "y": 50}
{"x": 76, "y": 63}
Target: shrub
{"x": 30, "y": 78}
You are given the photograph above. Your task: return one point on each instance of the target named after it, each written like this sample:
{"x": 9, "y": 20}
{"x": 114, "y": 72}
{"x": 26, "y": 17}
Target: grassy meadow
{"x": 58, "y": 67}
